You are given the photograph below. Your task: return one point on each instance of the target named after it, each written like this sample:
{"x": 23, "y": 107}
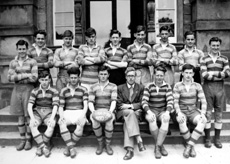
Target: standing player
{"x": 165, "y": 53}
{"x": 23, "y": 71}
{"x": 157, "y": 102}
{"x": 65, "y": 58}
{"x": 42, "y": 108}
{"x": 42, "y": 54}
{"x": 186, "y": 94}
{"x": 117, "y": 59}
{"x": 140, "y": 56}
{"x": 214, "y": 69}
{"x": 90, "y": 56}
{"x": 191, "y": 55}
{"x": 103, "y": 96}
{"x": 72, "y": 111}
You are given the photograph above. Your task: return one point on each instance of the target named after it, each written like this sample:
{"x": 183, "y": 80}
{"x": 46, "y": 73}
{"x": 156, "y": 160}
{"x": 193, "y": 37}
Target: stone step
{"x": 13, "y": 126}
{"x": 13, "y": 138}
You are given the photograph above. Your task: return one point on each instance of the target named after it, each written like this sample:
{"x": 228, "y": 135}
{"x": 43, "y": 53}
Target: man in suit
{"x": 129, "y": 109}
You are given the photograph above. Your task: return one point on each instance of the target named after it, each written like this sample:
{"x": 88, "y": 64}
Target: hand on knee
{"x": 181, "y": 118}
{"x": 33, "y": 123}
{"x": 165, "y": 118}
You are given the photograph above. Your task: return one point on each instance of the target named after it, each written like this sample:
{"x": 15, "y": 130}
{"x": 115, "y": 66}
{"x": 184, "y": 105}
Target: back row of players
{"x": 88, "y": 78}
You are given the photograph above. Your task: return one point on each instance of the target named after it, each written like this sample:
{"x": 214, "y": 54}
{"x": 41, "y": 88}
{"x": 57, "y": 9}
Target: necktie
{"x": 130, "y": 93}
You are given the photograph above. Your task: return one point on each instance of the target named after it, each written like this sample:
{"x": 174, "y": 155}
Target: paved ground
{"x": 86, "y": 155}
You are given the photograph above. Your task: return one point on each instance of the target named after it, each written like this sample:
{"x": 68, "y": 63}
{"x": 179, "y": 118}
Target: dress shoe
{"x": 208, "y": 143}
{"x": 46, "y": 151}
{"x": 21, "y": 145}
{"x": 141, "y": 146}
{"x": 108, "y": 149}
{"x": 28, "y": 145}
{"x": 192, "y": 152}
{"x": 39, "y": 151}
{"x": 187, "y": 151}
{"x": 100, "y": 148}
{"x": 72, "y": 152}
{"x": 129, "y": 155}
{"x": 66, "y": 152}
{"x": 157, "y": 152}
{"x": 163, "y": 151}
{"x": 217, "y": 143}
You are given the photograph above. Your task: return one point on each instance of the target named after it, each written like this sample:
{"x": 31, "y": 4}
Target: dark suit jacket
{"x": 123, "y": 96}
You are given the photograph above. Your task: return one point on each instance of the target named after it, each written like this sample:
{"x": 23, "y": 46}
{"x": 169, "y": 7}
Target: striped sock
{"x": 195, "y": 136}
{"x": 98, "y": 133}
{"x": 39, "y": 140}
{"x": 22, "y": 130}
{"x": 186, "y": 135}
{"x": 108, "y": 135}
{"x": 46, "y": 139}
{"x": 67, "y": 139}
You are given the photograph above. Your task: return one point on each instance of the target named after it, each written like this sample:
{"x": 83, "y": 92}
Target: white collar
{"x": 129, "y": 86}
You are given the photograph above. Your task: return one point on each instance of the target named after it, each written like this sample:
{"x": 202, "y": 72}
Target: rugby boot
{"x": 66, "y": 152}
{"x": 163, "y": 151}
{"x": 157, "y": 152}
{"x": 208, "y": 143}
{"x": 46, "y": 151}
{"x": 192, "y": 152}
{"x": 108, "y": 149}
{"x": 21, "y": 145}
{"x": 72, "y": 152}
{"x": 99, "y": 148}
{"x": 187, "y": 151}
{"x": 217, "y": 143}
{"x": 39, "y": 151}
{"x": 28, "y": 145}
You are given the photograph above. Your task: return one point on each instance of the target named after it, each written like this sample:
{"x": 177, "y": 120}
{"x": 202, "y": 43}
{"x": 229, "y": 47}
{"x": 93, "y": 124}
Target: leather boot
{"x": 108, "y": 149}
{"x": 99, "y": 148}
{"x": 157, "y": 152}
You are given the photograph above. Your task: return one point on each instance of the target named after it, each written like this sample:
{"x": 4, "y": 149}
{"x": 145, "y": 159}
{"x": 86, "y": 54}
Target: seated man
{"x": 103, "y": 96}
{"x": 72, "y": 111}
{"x": 157, "y": 102}
{"x": 186, "y": 94}
{"x": 42, "y": 108}
{"x": 129, "y": 108}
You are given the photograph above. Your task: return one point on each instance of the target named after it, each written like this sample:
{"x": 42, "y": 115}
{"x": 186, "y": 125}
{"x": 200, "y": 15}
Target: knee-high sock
{"x": 108, "y": 135}
{"x": 66, "y": 136}
{"x": 153, "y": 130}
{"x": 197, "y": 132}
{"x": 28, "y": 130}
{"x": 218, "y": 127}
{"x": 39, "y": 140}
{"x": 22, "y": 127}
{"x": 98, "y": 133}
{"x": 161, "y": 137}
{"x": 184, "y": 131}
{"x": 77, "y": 134}
{"x": 48, "y": 134}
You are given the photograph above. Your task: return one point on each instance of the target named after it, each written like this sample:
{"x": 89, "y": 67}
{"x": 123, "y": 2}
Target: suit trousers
{"x": 130, "y": 127}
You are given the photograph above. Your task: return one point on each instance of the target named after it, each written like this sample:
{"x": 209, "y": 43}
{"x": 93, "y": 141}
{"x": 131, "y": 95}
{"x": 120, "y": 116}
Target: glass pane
{"x": 60, "y": 30}
{"x": 123, "y": 17}
{"x": 101, "y": 20}
{"x": 166, "y": 4}
{"x": 64, "y": 19}
{"x": 64, "y": 5}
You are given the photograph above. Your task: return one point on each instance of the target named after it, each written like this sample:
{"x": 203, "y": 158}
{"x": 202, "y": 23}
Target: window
{"x": 165, "y": 14}
{"x": 63, "y": 19}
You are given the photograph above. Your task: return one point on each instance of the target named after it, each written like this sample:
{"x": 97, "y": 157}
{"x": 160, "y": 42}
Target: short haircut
{"x": 159, "y": 68}
{"x": 67, "y": 33}
{"x": 43, "y": 74}
{"x": 164, "y": 28}
{"x": 43, "y": 32}
{"x": 140, "y": 28}
{"x": 103, "y": 68}
{"x": 21, "y": 43}
{"x": 74, "y": 71}
{"x": 129, "y": 69}
{"x": 187, "y": 66}
{"x": 113, "y": 31}
{"x": 90, "y": 31}
{"x": 189, "y": 33}
{"x": 215, "y": 39}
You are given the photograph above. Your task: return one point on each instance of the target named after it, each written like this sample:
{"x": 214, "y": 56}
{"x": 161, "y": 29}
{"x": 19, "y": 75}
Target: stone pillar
{"x": 151, "y": 22}
{"x": 78, "y": 22}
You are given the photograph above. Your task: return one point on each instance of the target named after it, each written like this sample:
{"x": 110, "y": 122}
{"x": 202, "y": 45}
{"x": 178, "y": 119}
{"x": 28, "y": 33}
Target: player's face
{"x": 45, "y": 82}
{"x": 103, "y": 76}
{"x": 67, "y": 41}
{"x": 164, "y": 35}
{"x": 187, "y": 74}
{"x": 91, "y": 40}
{"x": 140, "y": 36}
{"x": 40, "y": 40}
{"x": 22, "y": 50}
{"x": 159, "y": 77}
{"x": 215, "y": 47}
{"x": 73, "y": 79}
{"x": 190, "y": 41}
{"x": 130, "y": 77}
{"x": 115, "y": 39}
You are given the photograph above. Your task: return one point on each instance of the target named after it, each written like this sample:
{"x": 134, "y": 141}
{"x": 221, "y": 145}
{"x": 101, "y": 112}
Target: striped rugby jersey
{"x": 44, "y": 59}
{"x": 44, "y": 98}
{"x": 168, "y": 53}
{"x": 220, "y": 66}
{"x": 159, "y": 99}
{"x": 119, "y": 56}
{"x": 144, "y": 54}
{"x": 102, "y": 98}
{"x": 89, "y": 73}
{"x": 185, "y": 57}
{"x": 188, "y": 97}
{"x": 75, "y": 101}
{"x": 17, "y": 73}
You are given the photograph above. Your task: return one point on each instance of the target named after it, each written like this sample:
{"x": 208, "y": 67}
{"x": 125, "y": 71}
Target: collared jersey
{"x": 17, "y": 72}
{"x": 120, "y": 54}
{"x": 157, "y": 98}
{"x": 102, "y": 97}
{"x": 74, "y": 101}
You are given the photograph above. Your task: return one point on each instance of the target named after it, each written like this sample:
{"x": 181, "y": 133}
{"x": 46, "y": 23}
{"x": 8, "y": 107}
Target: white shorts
{"x": 71, "y": 116}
